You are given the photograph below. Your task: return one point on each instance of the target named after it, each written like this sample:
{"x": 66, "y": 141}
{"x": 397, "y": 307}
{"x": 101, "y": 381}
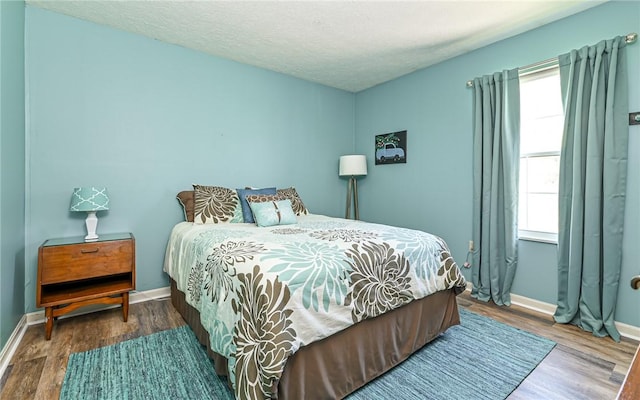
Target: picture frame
{"x": 391, "y": 148}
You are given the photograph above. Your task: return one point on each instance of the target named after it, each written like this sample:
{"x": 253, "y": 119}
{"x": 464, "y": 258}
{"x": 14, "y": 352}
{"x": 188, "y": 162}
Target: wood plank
{"x": 631, "y": 387}
{"x": 24, "y": 379}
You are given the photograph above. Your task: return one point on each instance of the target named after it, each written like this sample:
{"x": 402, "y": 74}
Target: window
{"x": 541, "y": 121}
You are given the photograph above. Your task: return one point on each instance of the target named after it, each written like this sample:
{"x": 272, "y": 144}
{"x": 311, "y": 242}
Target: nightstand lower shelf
{"x": 63, "y": 293}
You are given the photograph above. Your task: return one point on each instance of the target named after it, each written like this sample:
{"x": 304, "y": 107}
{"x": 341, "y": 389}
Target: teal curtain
{"x": 593, "y": 173}
{"x": 496, "y": 159}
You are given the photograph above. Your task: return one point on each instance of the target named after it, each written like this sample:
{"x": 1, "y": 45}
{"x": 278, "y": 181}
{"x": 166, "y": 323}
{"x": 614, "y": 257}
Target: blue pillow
{"x": 271, "y": 213}
{"x": 247, "y": 216}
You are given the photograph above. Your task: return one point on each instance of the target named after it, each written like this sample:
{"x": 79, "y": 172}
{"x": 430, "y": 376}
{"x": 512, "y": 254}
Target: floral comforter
{"x": 263, "y": 293}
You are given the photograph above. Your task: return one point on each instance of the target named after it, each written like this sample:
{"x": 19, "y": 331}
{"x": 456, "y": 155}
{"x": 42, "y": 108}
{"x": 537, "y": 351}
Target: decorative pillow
{"x": 186, "y": 201}
{"x": 296, "y": 201}
{"x": 261, "y": 198}
{"x": 243, "y": 193}
{"x": 215, "y": 204}
{"x": 271, "y": 213}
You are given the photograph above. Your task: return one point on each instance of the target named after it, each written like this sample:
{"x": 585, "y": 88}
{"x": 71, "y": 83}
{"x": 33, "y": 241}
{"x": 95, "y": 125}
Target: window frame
{"x": 537, "y": 71}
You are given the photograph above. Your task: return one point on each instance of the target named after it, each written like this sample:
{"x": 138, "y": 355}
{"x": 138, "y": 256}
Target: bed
{"x": 313, "y": 309}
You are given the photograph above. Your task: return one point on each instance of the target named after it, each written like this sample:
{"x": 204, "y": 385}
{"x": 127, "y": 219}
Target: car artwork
{"x": 391, "y": 148}
{"x": 389, "y": 152}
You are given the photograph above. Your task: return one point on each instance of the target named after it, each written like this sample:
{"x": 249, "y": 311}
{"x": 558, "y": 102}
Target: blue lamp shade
{"x": 90, "y": 200}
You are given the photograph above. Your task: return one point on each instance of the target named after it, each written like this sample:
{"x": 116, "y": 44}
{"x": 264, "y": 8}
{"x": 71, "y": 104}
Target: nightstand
{"x": 73, "y": 273}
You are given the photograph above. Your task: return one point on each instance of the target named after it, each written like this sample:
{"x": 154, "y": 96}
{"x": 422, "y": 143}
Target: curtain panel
{"x": 496, "y": 158}
{"x": 593, "y": 173}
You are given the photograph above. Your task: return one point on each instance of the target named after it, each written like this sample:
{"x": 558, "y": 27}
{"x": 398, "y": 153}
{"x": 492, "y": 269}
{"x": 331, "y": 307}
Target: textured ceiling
{"x": 350, "y": 45}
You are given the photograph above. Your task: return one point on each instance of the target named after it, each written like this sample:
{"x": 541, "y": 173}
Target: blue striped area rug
{"x": 479, "y": 359}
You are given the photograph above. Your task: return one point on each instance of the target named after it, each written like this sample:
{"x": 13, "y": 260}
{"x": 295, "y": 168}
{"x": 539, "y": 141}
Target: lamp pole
{"x": 352, "y": 190}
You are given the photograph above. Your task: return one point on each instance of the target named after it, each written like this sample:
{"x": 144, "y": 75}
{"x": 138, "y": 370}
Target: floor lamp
{"x": 353, "y": 166}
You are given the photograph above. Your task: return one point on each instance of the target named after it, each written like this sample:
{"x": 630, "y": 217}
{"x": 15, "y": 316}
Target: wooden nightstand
{"x": 73, "y": 273}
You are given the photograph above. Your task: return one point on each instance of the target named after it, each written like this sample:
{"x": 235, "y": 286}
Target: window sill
{"x": 541, "y": 237}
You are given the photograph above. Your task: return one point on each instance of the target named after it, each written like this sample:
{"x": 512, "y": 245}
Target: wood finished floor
{"x": 579, "y": 367}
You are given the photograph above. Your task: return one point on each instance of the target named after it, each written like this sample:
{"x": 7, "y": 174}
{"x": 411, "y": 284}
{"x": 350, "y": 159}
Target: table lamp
{"x": 90, "y": 199}
{"x": 353, "y": 166}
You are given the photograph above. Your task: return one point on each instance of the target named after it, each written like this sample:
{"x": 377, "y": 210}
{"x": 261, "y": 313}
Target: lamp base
{"x": 92, "y": 224}
{"x": 352, "y": 193}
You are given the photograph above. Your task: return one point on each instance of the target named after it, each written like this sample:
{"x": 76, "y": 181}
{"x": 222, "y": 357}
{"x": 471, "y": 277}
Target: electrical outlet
{"x": 470, "y": 245}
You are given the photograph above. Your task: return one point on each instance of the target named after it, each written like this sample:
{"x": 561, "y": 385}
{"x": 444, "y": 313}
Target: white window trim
{"x": 537, "y": 70}
{"x": 540, "y": 154}
{"x": 537, "y": 236}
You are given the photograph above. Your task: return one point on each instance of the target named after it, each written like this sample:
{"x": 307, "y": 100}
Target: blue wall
{"x": 433, "y": 190}
{"x": 147, "y": 119}
{"x": 12, "y": 161}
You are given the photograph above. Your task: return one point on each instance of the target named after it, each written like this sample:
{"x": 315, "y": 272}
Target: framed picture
{"x": 391, "y": 148}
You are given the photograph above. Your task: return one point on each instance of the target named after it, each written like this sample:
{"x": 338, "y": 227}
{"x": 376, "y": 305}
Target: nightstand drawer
{"x": 84, "y": 261}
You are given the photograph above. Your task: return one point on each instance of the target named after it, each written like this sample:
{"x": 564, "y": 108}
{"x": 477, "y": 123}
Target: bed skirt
{"x": 340, "y": 364}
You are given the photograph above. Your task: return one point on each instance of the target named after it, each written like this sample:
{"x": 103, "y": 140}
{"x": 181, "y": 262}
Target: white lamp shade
{"x": 353, "y": 165}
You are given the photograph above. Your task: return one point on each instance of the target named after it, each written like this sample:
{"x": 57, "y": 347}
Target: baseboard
{"x": 532, "y": 304}
{"x": 153, "y": 294}
{"x": 12, "y": 344}
{"x": 37, "y": 317}
{"x": 626, "y": 330}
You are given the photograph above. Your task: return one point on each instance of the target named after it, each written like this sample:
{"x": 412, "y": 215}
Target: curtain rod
{"x": 629, "y": 39}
